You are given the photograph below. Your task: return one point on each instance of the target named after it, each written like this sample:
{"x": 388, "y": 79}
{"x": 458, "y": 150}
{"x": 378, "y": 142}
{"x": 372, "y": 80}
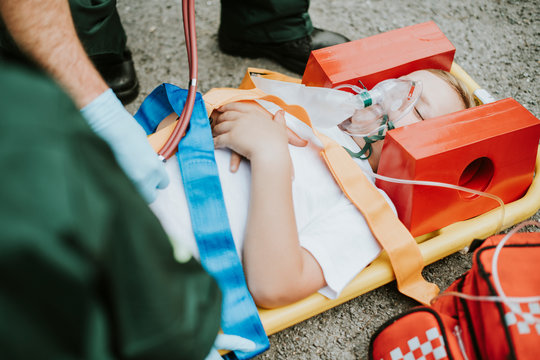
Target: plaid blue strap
{"x": 208, "y": 213}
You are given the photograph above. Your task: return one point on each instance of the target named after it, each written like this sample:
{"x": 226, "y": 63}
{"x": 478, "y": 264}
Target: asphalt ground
{"x": 497, "y": 43}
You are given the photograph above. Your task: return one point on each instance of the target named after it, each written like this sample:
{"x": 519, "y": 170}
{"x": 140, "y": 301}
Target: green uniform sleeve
{"x": 86, "y": 269}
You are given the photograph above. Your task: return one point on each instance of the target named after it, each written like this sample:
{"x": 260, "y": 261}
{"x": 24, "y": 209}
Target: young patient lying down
{"x": 294, "y": 230}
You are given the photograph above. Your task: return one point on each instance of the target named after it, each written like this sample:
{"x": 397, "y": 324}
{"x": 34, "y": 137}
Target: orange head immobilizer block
{"x": 383, "y": 56}
{"x": 490, "y": 148}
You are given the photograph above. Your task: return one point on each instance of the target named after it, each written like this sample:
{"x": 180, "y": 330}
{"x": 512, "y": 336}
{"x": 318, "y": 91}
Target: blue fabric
{"x": 208, "y": 213}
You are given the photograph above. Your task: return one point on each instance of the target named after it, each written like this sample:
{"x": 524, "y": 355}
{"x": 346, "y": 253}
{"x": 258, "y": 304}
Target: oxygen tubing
{"x": 188, "y": 17}
{"x": 448, "y": 186}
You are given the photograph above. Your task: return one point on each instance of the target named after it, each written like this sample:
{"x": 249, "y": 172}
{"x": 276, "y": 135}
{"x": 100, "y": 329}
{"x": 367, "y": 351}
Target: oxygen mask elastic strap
{"x": 366, "y": 151}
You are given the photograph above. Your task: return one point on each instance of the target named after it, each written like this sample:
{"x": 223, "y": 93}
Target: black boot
{"x": 119, "y": 73}
{"x": 292, "y": 55}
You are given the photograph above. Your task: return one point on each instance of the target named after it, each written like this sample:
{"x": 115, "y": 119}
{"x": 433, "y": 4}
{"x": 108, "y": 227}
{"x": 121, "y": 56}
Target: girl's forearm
{"x": 277, "y": 269}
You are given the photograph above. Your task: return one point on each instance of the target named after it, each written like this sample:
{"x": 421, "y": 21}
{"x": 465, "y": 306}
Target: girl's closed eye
{"x": 417, "y": 113}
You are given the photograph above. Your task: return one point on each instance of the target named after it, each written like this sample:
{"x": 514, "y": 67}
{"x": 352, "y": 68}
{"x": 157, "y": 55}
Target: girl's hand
{"x": 248, "y": 129}
{"x": 252, "y": 122}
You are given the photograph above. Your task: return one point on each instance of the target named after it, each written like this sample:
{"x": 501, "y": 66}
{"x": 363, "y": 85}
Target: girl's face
{"x": 438, "y": 98}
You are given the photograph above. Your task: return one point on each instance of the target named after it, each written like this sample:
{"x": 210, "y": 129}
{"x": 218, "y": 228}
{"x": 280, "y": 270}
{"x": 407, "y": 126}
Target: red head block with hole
{"x": 490, "y": 148}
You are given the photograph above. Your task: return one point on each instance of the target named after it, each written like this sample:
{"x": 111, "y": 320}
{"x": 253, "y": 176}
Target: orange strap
{"x": 393, "y": 236}
{"x": 398, "y": 242}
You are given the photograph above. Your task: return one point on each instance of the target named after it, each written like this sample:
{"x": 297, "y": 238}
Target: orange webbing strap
{"x": 247, "y": 83}
{"x": 393, "y": 236}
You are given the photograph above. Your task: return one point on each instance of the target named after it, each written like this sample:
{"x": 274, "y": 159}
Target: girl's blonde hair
{"x": 458, "y": 85}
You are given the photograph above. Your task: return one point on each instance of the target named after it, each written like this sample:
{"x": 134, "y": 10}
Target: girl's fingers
{"x": 222, "y": 128}
{"x": 221, "y": 117}
{"x": 241, "y": 106}
{"x": 213, "y": 117}
{"x": 295, "y": 140}
{"x": 279, "y": 117}
{"x": 292, "y": 137}
{"x": 227, "y": 107}
{"x": 220, "y": 141}
{"x": 235, "y": 161}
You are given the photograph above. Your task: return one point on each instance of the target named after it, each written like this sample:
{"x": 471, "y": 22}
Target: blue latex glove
{"x": 229, "y": 342}
{"x": 110, "y": 120}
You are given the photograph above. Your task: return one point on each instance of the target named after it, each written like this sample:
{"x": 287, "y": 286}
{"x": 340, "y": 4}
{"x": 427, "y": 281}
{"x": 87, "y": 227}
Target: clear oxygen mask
{"x": 380, "y": 108}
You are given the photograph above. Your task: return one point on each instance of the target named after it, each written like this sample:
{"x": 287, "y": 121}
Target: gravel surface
{"x": 497, "y": 43}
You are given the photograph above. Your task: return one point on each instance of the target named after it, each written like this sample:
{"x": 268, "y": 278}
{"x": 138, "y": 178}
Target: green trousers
{"x": 263, "y": 21}
{"x": 86, "y": 271}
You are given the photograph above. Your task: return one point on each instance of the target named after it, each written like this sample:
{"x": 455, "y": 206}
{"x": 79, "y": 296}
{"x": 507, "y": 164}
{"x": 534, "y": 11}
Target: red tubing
{"x": 188, "y": 16}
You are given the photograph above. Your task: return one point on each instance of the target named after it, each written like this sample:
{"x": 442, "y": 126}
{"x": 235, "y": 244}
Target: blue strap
{"x": 208, "y": 213}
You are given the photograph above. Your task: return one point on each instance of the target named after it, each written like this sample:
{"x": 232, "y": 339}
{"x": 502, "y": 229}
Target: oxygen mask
{"x": 380, "y": 108}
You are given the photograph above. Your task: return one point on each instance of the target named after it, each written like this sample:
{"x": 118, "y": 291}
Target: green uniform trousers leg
{"x": 98, "y": 26}
{"x": 265, "y": 21}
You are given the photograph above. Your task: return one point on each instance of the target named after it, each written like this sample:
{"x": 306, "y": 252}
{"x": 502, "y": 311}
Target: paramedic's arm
{"x": 44, "y": 30}
{"x": 278, "y": 270}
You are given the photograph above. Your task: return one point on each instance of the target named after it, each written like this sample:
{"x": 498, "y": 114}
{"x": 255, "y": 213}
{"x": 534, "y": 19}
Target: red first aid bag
{"x": 461, "y": 328}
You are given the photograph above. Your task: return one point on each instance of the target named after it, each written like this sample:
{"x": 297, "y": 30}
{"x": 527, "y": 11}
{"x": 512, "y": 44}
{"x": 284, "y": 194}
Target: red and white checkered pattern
{"x": 526, "y": 323}
{"x": 431, "y": 349}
